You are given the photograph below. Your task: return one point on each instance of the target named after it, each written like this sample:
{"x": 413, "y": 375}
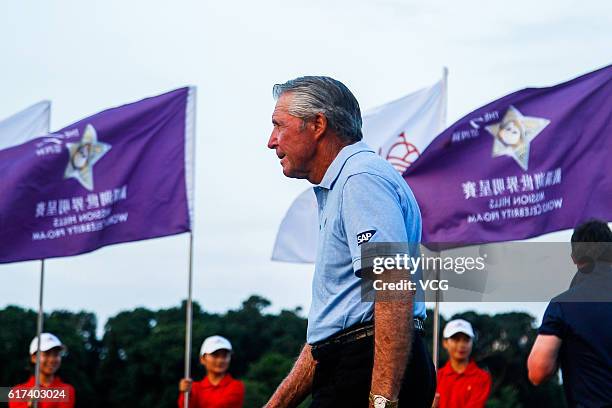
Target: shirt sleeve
{"x": 371, "y": 211}
{"x": 181, "y": 399}
{"x": 553, "y": 322}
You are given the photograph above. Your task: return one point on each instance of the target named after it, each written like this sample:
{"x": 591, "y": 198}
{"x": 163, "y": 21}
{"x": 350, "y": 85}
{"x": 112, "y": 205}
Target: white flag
{"x": 25, "y": 125}
{"x": 399, "y": 131}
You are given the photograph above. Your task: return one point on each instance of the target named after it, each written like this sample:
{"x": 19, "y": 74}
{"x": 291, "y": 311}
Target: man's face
{"x": 459, "y": 346}
{"x": 50, "y": 361}
{"x": 217, "y": 362}
{"x": 293, "y": 141}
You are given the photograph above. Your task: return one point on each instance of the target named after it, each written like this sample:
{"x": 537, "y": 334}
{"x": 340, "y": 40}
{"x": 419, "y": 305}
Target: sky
{"x": 88, "y": 56}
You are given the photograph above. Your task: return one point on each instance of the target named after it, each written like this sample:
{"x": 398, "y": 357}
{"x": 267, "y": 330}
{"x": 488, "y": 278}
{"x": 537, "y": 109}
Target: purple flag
{"x": 535, "y": 161}
{"x": 124, "y": 174}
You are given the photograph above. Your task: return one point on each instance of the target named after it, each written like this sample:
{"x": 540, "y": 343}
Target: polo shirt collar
{"x": 469, "y": 370}
{"x": 334, "y": 169}
{"x": 227, "y": 378}
{"x": 57, "y": 381}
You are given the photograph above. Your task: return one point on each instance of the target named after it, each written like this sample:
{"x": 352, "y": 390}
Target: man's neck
{"x": 459, "y": 366}
{"x": 327, "y": 152}
{"x": 215, "y": 378}
{"x": 581, "y": 265}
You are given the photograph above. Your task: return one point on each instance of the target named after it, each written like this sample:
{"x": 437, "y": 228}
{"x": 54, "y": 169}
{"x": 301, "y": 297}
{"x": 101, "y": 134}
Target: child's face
{"x": 50, "y": 361}
{"x": 217, "y": 362}
{"x": 458, "y": 346}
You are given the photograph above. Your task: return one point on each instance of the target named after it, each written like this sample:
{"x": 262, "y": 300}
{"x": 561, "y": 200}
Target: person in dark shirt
{"x": 576, "y": 333}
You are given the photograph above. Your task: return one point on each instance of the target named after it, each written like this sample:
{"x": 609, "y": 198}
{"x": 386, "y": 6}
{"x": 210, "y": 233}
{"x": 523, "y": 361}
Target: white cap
{"x": 458, "y": 326}
{"x": 47, "y": 342}
{"x": 214, "y": 343}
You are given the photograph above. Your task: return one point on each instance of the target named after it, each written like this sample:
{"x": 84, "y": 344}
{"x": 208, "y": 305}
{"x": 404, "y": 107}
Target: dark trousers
{"x": 343, "y": 375}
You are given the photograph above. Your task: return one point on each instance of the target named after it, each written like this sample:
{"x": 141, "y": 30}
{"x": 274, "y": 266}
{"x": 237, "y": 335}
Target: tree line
{"x": 139, "y": 359}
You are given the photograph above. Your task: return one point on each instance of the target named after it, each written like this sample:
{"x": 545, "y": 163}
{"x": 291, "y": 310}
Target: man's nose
{"x": 272, "y": 141}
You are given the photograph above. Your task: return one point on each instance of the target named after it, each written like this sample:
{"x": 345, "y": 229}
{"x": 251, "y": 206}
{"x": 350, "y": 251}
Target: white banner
{"x": 25, "y": 125}
{"x": 399, "y": 131}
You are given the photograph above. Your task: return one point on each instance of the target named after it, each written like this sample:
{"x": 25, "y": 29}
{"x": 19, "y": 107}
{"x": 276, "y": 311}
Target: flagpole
{"x": 436, "y": 319}
{"x": 188, "y": 319}
{"x": 436, "y": 322}
{"x": 39, "y": 326}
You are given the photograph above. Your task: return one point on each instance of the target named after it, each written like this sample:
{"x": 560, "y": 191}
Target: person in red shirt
{"x": 461, "y": 383}
{"x": 218, "y": 389}
{"x": 59, "y": 394}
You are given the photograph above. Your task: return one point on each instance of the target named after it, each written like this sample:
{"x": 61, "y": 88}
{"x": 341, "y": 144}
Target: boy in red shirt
{"x": 218, "y": 389}
{"x": 55, "y": 393}
{"x": 461, "y": 384}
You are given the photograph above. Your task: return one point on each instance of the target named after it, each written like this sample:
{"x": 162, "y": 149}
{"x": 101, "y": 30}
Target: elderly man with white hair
{"x": 358, "y": 353}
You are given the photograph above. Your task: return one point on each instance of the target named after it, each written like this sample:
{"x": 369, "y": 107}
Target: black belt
{"x": 357, "y": 332}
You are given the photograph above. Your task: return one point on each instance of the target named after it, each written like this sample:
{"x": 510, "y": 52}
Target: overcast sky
{"x": 88, "y": 56}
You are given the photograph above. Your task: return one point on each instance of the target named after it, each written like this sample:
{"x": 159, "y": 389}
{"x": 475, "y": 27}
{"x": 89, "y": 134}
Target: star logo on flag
{"x": 512, "y": 136}
{"x": 83, "y": 155}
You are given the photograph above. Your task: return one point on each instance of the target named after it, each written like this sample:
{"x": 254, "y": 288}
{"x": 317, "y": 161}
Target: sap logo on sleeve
{"x": 365, "y": 236}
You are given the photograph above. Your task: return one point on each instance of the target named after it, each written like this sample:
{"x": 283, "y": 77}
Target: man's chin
{"x": 293, "y": 174}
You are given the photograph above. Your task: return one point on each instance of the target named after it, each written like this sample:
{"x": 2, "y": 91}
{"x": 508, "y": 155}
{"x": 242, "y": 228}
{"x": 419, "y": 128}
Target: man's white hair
{"x": 312, "y": 95}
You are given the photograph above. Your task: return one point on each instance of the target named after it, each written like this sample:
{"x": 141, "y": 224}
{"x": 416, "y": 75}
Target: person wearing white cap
{"x": 461, "y": 383}
{"x": 218, "y": 389}
{"x": 51, "y": 351}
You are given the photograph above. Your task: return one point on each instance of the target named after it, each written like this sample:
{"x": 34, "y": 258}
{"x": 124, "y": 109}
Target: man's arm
{"x": 298, "y": 383}
{"x": 392, "y": 343}
{"x": 542, "y": 361}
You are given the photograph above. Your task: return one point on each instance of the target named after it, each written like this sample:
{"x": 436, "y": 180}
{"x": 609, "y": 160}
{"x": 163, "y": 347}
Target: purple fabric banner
{"x": 124, "y": 174}
{"x": 535, "y": 161}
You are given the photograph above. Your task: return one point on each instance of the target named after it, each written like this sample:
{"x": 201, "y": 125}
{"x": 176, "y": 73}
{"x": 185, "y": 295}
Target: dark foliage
{"x": 139, "y": 360}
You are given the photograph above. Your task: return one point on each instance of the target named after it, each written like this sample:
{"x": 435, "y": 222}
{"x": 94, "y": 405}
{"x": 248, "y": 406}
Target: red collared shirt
{"x": 229, "y": 393}
{"x": 469, "y": 389}
{"x": 55, "y": 384}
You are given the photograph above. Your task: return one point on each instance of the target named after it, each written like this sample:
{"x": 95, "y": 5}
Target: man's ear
{"x": 318, "y": 125}
{"x": 33, "y": 358}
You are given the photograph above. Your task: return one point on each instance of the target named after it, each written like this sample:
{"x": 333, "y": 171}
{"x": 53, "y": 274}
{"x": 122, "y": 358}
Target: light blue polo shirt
{"x": 359, "y": 193}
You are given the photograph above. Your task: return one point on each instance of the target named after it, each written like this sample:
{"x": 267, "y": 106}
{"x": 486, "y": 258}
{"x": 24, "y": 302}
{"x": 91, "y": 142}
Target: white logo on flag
{"x": 401, "y": 154}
